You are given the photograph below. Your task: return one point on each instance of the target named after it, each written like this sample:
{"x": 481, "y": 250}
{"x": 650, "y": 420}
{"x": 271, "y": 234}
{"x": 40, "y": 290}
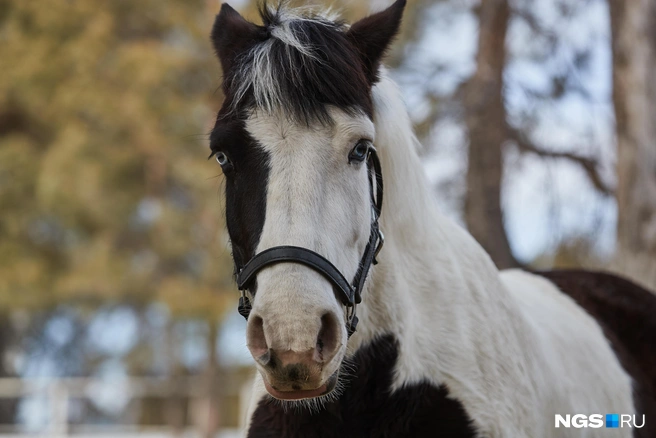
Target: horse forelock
{"x": 305, "y": 65}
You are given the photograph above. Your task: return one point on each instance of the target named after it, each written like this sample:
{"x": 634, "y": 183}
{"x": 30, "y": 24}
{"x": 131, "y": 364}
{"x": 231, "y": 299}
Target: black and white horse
{"x": 446, "y": 345}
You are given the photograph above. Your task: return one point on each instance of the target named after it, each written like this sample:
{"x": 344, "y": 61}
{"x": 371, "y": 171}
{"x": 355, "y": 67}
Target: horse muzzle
{"x": 295, "y": 376}
{"x": 302, "y": 394}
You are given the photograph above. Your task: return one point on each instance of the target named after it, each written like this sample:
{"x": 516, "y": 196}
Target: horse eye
{"x": 359, "y": 152}
{"x": 224, "y": 162}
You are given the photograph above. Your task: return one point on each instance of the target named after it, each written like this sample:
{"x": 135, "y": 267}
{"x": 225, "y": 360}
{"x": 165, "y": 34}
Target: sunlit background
{"x": 117, "y": 303}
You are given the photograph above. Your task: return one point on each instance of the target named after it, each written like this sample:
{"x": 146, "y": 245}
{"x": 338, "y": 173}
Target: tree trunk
{"x": 7, "y": 406}
{"x": 485, "y": 117}
{"x": 633, "y": 27}
{"x": 175, "y": 406}
{"x": 213, "y": 419}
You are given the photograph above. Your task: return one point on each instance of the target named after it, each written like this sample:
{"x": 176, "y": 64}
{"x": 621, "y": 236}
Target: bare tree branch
{"x": 589, "y": 165}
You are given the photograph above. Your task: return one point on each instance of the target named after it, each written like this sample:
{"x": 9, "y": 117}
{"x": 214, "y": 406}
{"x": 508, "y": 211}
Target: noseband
{"x": 349, "y": 293}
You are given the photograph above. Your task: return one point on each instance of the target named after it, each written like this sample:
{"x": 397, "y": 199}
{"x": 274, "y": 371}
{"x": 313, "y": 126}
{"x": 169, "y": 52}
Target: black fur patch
{"x": 245, "y": 186}
{"x": 333, "y": 76}
{"x": 336, "y": 66}
{"x": 626, "y": 313}
{"x": 367, "y": 409}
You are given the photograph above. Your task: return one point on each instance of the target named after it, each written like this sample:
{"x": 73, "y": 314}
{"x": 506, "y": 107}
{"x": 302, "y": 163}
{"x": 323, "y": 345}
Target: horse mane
{"x": 305, "y": 63}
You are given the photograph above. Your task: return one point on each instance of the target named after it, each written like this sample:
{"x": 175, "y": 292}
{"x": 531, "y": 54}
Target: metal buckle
{"x": 352, "y": 320}
{"x": 381, "y": 243}
{"x": 244, "y": 307}
{"x": 350, "y": 312}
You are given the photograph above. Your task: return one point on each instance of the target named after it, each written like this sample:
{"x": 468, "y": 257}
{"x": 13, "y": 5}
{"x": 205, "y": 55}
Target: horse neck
{"x": 431, "y": 270}
{"x": 409, "y": 211}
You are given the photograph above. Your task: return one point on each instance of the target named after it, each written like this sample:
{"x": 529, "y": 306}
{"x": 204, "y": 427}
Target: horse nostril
{"x": 256, "y": 340}
{"x": 327, "y": 339}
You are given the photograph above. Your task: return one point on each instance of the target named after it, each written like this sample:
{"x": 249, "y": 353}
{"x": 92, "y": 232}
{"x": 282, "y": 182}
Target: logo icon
{"x": 612, "y": 420}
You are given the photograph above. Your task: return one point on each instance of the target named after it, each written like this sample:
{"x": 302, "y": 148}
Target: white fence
{"x": 59, "y": 393}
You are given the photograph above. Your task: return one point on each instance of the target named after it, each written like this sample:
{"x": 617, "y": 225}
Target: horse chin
{"x": 323, "y": 391}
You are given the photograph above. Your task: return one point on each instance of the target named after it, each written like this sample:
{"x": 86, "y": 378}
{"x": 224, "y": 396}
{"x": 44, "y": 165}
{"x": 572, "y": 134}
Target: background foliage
{"x": 105, "y": 194}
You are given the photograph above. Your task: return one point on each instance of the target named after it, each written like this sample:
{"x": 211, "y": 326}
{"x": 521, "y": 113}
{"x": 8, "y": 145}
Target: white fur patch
{"x": 316, "y": 200}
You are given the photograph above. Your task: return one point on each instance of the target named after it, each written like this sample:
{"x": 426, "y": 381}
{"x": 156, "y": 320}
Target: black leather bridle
{"x": 349, "y": 293}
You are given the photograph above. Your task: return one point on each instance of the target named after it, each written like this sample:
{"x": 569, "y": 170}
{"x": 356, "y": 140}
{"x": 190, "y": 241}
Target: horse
{"x": 421, "y": 337}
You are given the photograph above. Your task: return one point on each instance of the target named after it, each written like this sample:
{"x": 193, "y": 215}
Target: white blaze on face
{"x": 315, "y": 200}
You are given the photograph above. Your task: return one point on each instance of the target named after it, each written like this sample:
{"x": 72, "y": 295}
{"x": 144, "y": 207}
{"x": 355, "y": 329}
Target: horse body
{"x": 446, "y": 344}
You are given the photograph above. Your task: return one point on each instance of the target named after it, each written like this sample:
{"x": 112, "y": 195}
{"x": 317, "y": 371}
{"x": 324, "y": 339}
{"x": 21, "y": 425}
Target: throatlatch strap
{"x": 365, "y": 263}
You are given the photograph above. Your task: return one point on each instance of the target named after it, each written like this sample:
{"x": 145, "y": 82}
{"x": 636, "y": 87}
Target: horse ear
{"x": 232, "y": 35}
{"x": 372, "y": 36}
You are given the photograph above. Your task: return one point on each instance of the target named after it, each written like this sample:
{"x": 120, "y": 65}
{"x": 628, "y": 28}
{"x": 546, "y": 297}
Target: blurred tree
{"x": 485, "y": 117}
{"x": 7, "y": 406}
{"x": 103, "y": 110}
{"x": 525, "y": 64}
{"x": 634, "y": 97}
{"x": 504, "y": 112}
